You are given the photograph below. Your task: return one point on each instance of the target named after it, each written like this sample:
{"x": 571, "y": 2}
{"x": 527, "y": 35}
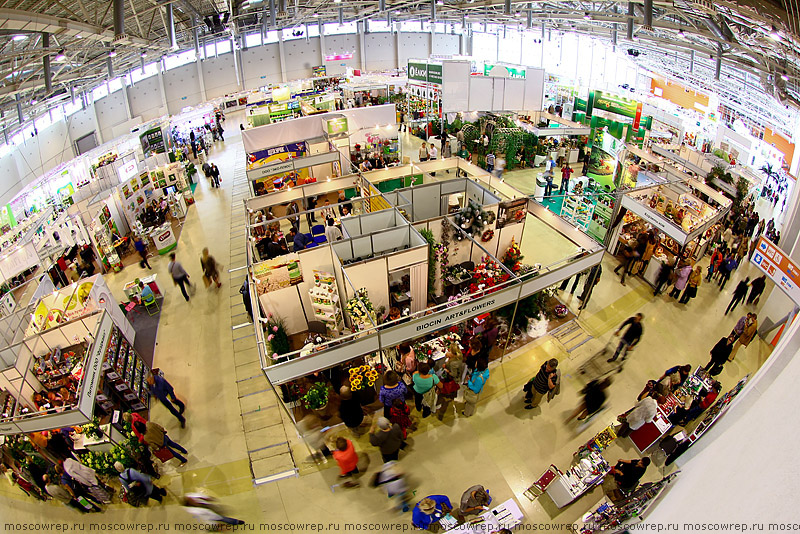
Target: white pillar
{"x": 397, "y": 51}
{"x": 321, "y": 44}
{"x": 125, "y": 100}
{"x": 362, "y": 48}
{"x": 162, "y": 87}
{"x": 282, "y": 55}
{"x": 795, "y": 163}
{"x": 201, "y": 79}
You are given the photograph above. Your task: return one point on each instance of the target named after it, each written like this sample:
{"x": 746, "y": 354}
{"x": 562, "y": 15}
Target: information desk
{"x": 578, "y": 479}
{"x": 507, "y": 515}
{"x": 163, "y": 238}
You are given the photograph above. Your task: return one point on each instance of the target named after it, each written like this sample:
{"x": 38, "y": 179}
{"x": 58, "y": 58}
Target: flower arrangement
{"x": 487, "y": 275}
{"x": 92, "y": 429}
{"x": 360, "y": 309}
{"x": 316, "y": 397}
{"x": 362, "y": 376}
{"x": 471, "y": 219}
{"x": 488, "y": 235}
{"x": 277, "y": 337}
{"x": 513, "y": 257}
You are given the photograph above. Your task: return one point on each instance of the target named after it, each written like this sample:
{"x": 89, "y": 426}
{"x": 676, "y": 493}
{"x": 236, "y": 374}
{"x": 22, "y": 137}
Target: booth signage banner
{"x": 615, "y": 104}
{"x": 447, "y": 317}
{"x": 501, "y": 71}
{"x": 318, "y": 71}
{"x": 93, "y": 368}
{"x": 656, "y": 219}
{"x": 275, "y": 154}
{"x": 338, "y": 126}
{"x": 777, "y": 265}
{"x": 434, "y": 74}
{"x": 8, "y": 429}
{"x": 153, "y": 141}
{"x": 418, "y": 71}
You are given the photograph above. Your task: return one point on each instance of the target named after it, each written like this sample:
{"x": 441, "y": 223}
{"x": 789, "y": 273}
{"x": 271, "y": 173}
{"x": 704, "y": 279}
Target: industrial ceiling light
{"x": 784, "y": 77}
{"x": 587, "y": 16}
{"x": 337, "y": 1}
{"x": 113, "y": 53}
{"x": 60, "y": 56}
{"x": 144, "y": 54}
{"x": 19, "y": 37}
{"x": 681, "y": 32}
{"x": 775, "y": 35}
{"x": 79, "y": 36}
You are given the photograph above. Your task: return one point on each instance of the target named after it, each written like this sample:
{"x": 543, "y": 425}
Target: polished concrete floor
{"x": 503, "y": 446}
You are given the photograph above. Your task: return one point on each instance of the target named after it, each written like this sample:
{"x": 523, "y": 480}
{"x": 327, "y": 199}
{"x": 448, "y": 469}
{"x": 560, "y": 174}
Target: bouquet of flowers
{"x": 92, "y": 429}
{"x": 487, "y": 275}
{"x": 362, "y": 376}
{"x": 513, "y": 257}
{"x": 276, "y": 336}
{"x": 360, "y": 309}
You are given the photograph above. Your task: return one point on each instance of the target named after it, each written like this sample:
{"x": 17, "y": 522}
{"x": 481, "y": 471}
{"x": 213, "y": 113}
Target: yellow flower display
{"x": 362, "y": 376}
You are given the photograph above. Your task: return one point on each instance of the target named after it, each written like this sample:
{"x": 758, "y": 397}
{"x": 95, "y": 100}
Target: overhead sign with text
{"x": 778, "y": 267}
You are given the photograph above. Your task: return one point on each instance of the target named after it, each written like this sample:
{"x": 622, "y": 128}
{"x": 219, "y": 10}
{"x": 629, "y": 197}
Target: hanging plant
{"x": 428, "y": 235}
{"x": 487, "y": 236}
{"x": 471, "y": 219}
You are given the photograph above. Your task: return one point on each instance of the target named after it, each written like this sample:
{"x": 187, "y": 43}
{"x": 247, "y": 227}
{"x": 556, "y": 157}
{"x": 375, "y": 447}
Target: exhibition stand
{"x": 325, "y": 308}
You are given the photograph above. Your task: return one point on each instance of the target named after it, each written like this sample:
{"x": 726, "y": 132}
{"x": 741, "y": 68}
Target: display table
{"x": 132, "y": 290}
{"x": 507, "y": 515}
{"x": 578, "y": 479}
{"x": 163, "y": 238}
{"x": 436, "y": 348}
{"x": 177, "y": 206}
{"x": 111, "y": 437}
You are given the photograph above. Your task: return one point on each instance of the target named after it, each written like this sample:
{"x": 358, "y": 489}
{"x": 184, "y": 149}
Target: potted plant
{"x": 541, "y": 155}
{"x": 316, "y": 398}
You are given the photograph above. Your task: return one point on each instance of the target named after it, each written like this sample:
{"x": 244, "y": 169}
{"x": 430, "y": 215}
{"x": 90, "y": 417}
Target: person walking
{"x": 630, "y": 338}
{"x": 138, "y": 485}
{"x": 387, "y": 437}
{"x": 164, "y": 392}
{"x": 588, "y": 286}
{"x": 423, "y": 152}
{"x": 725, "y": 271}
{"x": 664, "y": 274}
{"x": 490, "y": 162}
{"x": 719, "y": 355}
{"x": 475, "y": 385}
{"x": 141, "y": 248}
{"x": 156, "y": 439}
{"x": 448, "y": 391}
{"x": 215, "y": 175}
{"x": 748, "y": 332}
{"x": 347, "y": 458}
{"x": 245, "y": 292}
{"x": 565, "y": 283}
{"x": 424, "y": 385}
{"x": 392, "y": 480}
{"x": 695, "y": 278}
{"x": 756, "y": 288}
{"x": 206, "y": 510}
{"x": 739, "y": 295}
{"x": 594, "y": 397}
{"x": 209, "y": 266}
{"x": 179, "y": 275}
{"x": 540, "y": 385}
{"x": 628, "y": 256}
{"x": 714, "y": 264}
{"x": 392, "y": 388}
{"x": 682, "y": 280}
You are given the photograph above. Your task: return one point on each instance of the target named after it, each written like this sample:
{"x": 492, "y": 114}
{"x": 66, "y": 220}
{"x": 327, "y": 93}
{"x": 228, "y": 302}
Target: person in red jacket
{"x": 131, "y": 418}
{"x": 347, "y": 458}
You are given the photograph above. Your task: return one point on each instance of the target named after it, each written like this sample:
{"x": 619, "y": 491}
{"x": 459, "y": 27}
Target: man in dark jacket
{"x": 387, "y": 437}
{"x": 631, "y": 336}
{"x": 350, "y": 410}
{"x": 719, "y": 354}
{"x": 756, "y": 288}
{"x": 588, "y": 286}
{"x": 738, "y": 294}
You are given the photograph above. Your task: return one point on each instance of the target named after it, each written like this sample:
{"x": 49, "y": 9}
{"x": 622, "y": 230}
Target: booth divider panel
{"x": 294, "y": 369}
{"x": 343, "y": 250}
{"x": 276, "y": 303}
{"x": 374, "y": 277}
{"x": 362, "y": 247}
{"x": 425, "y": 201}
{"x": 407, "y": 257}
{"x": 352, "y": 225}
{"x": 388, "y": 240}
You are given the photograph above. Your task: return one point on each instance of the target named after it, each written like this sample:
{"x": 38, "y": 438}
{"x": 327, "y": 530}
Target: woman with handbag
{"x": 447, "y": 393}
{"x": 408, "y": 362}
{"x": 425, "y": 385}
{"x": 210, "y": 269}
{"x": 474, "y": 386}
{"x": 391, "y": 389}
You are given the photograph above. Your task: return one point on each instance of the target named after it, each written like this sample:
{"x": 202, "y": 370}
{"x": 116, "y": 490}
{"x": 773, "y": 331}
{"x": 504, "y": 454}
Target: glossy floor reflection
{"x": 503, "y": 446}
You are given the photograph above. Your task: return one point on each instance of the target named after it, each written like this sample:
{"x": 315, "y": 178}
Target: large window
{"x": 271, "y": 37}
{"x": 411, "y": 26}
{"x": 298, "y": 32}
{"x": 509, "y": 48}
{"x": 150, "y": 69}
{"x": 484, "y": 47}
{"x": 375, "y": 26}
{"x": 223, "y": 46}
{"x": 56, "y": 114}
{"x": 114, "y": 85}
{"x": 332, "y": 28}
{"x": 252, "y": 39}
{"x": 43, "y": 122}
{"x": 211, "y": 50}
{"x": 72, "y": 107}
{"x": 176, "y": 60}
{"x": 101, "y": 91}
{"x": 312, "y": 29}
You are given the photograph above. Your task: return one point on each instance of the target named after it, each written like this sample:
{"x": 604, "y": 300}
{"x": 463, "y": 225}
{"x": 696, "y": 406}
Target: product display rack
{"x": 578, "y": 210}
{"x": 601, "y": 218}
{"x": 325, "y": 302}
{"x": 125, "y": 375}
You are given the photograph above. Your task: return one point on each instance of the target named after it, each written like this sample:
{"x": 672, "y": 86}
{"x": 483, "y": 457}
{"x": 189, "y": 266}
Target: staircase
{"x": 268, "y": 444}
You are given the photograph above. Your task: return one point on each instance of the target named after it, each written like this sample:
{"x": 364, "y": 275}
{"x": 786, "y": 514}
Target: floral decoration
{"x": 487, "y": 275}
{"x": 488, "y": 235}
{"x": 362, "y": 376}
{"x": 360, "y": 309}
{"x": 513, "y": 257}
{"x": 471, "y": 219}
{"x": 316, "y": 397}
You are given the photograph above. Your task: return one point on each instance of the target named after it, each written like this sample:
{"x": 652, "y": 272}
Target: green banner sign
{"x": 580, "y": 105}
{"x": 502, "y": 71}
{"x": 425, "y": 72}
{"x": 337, "y": 126}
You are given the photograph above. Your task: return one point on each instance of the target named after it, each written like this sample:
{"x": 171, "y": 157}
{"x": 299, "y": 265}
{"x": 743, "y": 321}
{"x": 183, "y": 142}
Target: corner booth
{"x": 426, "y": 260}
{"x": 74, "y": 364}
{"x": 686, "y": 215}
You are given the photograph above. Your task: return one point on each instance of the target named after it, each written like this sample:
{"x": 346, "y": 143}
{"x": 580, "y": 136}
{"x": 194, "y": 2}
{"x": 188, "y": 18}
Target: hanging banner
{"x": 276, "y": 154}
{"x": 337, "y": 127}
{"x": 779, "y": 268}
{"x": 502, "y": 71}
{"x": 153, "y": 142}
{"x": 425, "y": 72}
{"x": 615, "y": 104}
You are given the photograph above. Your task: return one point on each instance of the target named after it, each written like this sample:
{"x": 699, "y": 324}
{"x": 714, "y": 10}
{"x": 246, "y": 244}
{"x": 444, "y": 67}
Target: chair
{"x": 150, "y": 301}
{"x": 129, "y": 307}
{"x": 311, "y": 244}
{"x": 318, "y": 233}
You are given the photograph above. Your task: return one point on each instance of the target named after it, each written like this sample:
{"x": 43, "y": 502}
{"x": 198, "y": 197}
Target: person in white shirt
{"x": 432, "y": 153}
{"x": 561, "y": 153}
{"x": 549, "y": 164}
{"x": 332, "y": 233}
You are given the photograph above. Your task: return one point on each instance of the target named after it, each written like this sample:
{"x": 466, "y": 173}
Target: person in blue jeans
{"x": 163, "y": 391}
{"x": 156, "y": 437}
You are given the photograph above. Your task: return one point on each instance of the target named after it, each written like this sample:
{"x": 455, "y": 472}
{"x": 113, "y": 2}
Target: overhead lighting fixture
{"x": 60, "y": 56}
{"x": 775, "y": 35}
{"x": 34, "y": 102}
{"x": 19, "y": 37}
{"x": 144, "y": 54}
{"x": 113, "y": 53}
{"x": 79, "y": 36}
{"x": 315, "y": 15}
{"x": 337, "y": 1}
{"x": 440, "y": 2}
{"x": 587, "y": 16}
{"x": 681, "y": 32}
{"x": 784, "y": 77}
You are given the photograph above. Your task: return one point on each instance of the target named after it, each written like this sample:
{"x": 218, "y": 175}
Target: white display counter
{"x": 163, "y": 238}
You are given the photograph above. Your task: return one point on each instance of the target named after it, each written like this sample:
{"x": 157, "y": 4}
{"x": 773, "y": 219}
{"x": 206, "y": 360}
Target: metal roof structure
{"x": 56, "y": 48}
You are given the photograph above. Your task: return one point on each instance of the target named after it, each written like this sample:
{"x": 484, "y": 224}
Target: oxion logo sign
{"x": 166, "y": 235}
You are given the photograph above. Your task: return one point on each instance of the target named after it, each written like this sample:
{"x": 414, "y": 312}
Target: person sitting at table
{"x": 683, "y": 416}
{"x": 145, "y": 292}
{"x": 677, "y": 375}
{"x": 275, "y": 248}
{"x": 430, "y": 510}
{"x": 299, "y": 239}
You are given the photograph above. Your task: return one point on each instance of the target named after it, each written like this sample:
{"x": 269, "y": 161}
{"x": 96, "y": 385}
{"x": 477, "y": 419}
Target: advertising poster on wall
{"x": 153, "y": 142}
{"x": 318, "y": 71}
{"x": 272, "y": 156}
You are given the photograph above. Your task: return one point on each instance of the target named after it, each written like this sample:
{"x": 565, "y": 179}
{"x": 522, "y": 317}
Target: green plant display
{"x": 316, "y": 397}
{"x": 277, "y": 337}
{"x": 428, "y": 235}
{"x": 191, "y": 170}
{"x": 741, "y": 193}
{"x": 471, "y": 135}
{"x": 92, "y": 429}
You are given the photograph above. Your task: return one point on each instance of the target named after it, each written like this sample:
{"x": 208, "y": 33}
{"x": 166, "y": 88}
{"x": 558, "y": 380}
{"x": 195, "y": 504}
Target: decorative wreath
{"x": 487, "y": 235}
{"x": 490, "y": 217}
{"x": 519, "y": 215}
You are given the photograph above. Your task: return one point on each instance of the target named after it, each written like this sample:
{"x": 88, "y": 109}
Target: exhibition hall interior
{"x": 459, "y": 266}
